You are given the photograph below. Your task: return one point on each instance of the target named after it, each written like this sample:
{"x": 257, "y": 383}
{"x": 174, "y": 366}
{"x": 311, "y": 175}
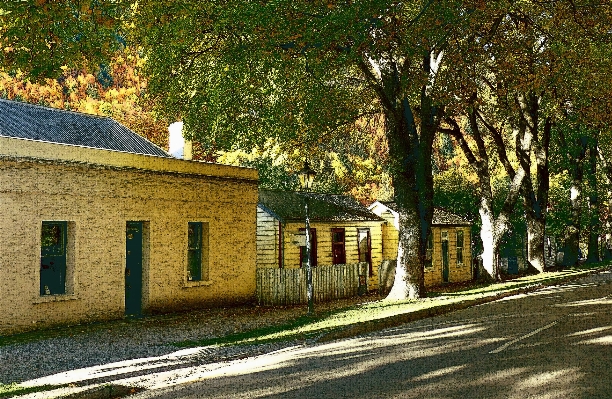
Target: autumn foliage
{"x": 116, "y": 91}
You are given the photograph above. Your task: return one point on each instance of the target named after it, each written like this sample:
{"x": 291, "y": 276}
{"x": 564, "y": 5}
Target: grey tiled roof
{"x": 289, "y": 206}
{"x": 440, "y": 216}
{"x": 34, "y": 122}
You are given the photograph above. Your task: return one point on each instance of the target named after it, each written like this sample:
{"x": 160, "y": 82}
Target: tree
{"x": 116, "y": 91}
{"x": 39, "y": 37}
{"x": 303, "y": 73}
{"x": 533, "y": 57}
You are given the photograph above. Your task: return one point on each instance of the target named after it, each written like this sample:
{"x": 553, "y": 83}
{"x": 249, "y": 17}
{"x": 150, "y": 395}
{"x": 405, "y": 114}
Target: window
{"x": 53, "y": 242}
{"x": 338, "y": 252}
{"x": 313, "y": 248}
{"x": 459, "y": 247}
{"x": 429, "y": 250}
{"x": 197, "y": 251}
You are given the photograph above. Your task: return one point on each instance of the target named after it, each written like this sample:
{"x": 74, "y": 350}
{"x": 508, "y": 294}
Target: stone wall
{"x": 97, "y": 192}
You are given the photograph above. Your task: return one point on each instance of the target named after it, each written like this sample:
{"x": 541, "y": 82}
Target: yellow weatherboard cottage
{"x": 98, "y": 223}
{"x": 449, "y": 253}
{"x": 342, "y": 232}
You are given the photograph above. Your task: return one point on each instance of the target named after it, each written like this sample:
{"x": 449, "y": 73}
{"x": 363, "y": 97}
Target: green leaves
{"x": 39, "y": 37}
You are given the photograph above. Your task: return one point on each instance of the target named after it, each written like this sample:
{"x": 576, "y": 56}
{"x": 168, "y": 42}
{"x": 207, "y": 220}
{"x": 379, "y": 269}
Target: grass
{"x": 376, "y": 315}
{"x": 325, "y": 323}
{"x": 14, "y": 389}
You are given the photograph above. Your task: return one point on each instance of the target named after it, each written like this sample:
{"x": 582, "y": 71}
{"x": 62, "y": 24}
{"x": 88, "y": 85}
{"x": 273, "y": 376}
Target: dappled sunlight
{"x": 439, "y": 373}
{"x": 590, "y": 331}
{"x": 498, "y": 376}
{"x": 116, "y": 369}
{"x": 548, "y": 384}
{"x": 606, "y": 340}
{"x": 537, "y": 380}
{"x": 597, "y": 301}
{"x": 447, "y": 332}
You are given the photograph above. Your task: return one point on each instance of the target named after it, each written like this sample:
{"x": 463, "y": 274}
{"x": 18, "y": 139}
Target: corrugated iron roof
{"x": 441, "y": 216}
{"x": 35, "y": 122}
{"x": 289, "y": 206}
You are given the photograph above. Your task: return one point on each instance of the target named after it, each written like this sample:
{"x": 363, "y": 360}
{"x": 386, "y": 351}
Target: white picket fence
{"x": 288, "y": 286}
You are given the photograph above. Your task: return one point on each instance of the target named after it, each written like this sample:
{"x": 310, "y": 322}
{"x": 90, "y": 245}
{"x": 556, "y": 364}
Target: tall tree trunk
{"x": 410, "y": 151}
{"x": 535, "y": 189}
{"x": 491, "y": 231}
{"x": 493, "y": 228}
{"x": 536, "y": 232}
{"x": 594, "y": 220}
{"x": 410, "y": 156}
{"x": 572, "y": 233}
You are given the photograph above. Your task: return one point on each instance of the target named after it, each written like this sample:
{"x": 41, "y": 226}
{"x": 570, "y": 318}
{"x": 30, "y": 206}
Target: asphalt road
{"x": 552, "y": 343}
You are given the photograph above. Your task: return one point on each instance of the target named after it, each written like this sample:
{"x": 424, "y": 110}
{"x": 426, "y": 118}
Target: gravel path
{"x": 103, "y": 343}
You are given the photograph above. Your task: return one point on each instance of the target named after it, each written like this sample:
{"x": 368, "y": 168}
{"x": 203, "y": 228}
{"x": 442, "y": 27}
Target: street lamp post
{"x": 307, "y": 176}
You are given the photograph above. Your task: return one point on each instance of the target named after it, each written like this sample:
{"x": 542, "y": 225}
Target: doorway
{"x": 445, "y": 267}
{"x": 133, "y": 268}
{"x": 365, "y": 248}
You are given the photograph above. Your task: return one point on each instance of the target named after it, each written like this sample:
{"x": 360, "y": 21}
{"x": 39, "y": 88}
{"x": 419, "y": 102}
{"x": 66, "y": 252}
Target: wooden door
{"x": 53, "y": 258}
{"x": 133, "y": 268}
{"x": 445, "y": 268}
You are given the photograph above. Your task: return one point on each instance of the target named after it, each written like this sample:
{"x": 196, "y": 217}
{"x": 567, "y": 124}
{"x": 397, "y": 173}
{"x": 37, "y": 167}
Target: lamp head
{"x": 306, "y": 176}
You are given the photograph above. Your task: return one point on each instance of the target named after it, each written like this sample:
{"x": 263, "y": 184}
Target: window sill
{"x": 203, "y": 283}
{"x": 428, "y": 269}
{"x": 56, "y": 298}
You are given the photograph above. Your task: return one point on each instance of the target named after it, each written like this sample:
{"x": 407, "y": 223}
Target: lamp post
{"x": 307, "y": 176}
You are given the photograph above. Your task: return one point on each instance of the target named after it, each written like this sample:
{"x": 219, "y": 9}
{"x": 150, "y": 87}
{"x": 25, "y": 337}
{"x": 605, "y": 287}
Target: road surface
{"x": 553, "y": 343}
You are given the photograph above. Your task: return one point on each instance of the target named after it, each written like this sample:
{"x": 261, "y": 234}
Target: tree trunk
{"x": 536, "y": 231}
{"x": 535, "y": 189}
{"x": 410, "y": 151}
{"x": 594, "y": 220}
{"x": 493, "y": 228}
{"x": 408, "y": 283}
{"x": 572, "y": 232}
{"x": 490, "y": 233}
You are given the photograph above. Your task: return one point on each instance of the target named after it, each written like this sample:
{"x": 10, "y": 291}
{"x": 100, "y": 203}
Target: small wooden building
{"x": 98, "y": 222}
{"x": 449, "y": 253}
{"x": 342, "y": 231}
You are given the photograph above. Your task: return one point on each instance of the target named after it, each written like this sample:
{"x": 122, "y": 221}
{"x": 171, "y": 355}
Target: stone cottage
{"x": 98, "y": 222}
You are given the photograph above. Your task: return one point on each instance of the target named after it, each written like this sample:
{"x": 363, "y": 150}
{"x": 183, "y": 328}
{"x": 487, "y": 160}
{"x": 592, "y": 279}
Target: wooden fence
{"x": 288, "y": 286}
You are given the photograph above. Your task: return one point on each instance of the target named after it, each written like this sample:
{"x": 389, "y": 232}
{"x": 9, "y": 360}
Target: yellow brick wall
{"x": 97, "y": 201}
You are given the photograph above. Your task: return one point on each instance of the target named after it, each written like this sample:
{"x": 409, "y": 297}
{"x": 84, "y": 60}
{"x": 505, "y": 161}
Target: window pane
{"x": 195, "y": 235}
{"x": 194, "y": 265}
{"x": 459, "y": 238}
{"x": 194, "y": 251}
{"x": 338, "y": 236}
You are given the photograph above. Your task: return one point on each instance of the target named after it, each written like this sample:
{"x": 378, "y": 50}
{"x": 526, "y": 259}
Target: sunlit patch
{"x": 591, "y": 331}
{"x": 439, "y": 373}
{"x": 116, "y": 369}
{"x": 597, "y": 301}
{"x": 584, "y": 314}
{"x": 495, "y": 377}
{"x": 607, "y": 340}
{"x": 549, "y": 377}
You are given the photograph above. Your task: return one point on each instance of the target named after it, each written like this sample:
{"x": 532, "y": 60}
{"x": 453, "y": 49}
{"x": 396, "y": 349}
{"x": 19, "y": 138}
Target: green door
{"x": 133, "y": 268}
{"x": 445, "y": 270}
{"x": 53, "y": 258}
